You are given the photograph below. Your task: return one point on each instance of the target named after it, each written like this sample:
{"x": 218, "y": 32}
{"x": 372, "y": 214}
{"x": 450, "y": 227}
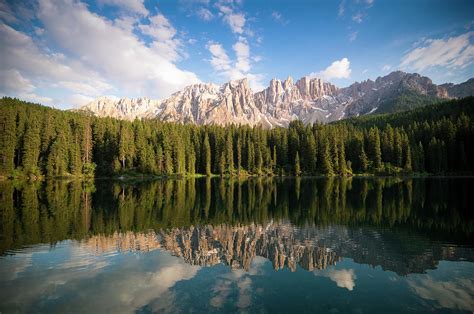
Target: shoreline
{"x": 146, "y": 177}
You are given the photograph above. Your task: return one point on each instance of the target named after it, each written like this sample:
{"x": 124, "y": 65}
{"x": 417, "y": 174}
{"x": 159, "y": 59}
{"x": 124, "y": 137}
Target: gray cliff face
{"x": 309, "y": 99}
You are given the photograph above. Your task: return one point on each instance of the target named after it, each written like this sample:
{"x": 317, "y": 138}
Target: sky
{"x": 65, "y": 53}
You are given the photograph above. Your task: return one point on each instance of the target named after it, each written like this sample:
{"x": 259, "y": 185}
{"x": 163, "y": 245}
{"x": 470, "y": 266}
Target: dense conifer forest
{"x": 38, "y": 141}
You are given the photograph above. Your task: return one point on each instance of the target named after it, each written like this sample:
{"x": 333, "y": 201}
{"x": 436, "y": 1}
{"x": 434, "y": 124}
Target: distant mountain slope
{"x": 308, "y": 100}
{"x": 460, "y": 90}
{"x": 447, "y": 109}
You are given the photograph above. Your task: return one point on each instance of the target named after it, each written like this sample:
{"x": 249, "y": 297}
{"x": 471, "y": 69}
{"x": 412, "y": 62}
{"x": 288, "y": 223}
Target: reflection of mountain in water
{"x": 286, "y": 246}
{"x": 237, "y": 246}
{"x": 399, "y": 224}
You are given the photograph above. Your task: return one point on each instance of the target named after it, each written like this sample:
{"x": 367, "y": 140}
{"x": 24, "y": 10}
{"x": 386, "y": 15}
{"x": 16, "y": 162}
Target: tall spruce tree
{"x": 297, "y": 164}
{"x": 207, "y": 155}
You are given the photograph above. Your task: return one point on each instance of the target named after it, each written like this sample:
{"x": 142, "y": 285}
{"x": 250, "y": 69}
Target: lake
{"x": 357, "y": 245}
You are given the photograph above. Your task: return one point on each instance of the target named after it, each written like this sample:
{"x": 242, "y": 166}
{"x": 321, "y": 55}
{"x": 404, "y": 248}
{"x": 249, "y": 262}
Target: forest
{"x": 38, "y": 141}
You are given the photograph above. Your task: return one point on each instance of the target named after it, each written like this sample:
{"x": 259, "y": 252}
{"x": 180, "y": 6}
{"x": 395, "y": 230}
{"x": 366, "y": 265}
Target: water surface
{"x": 220, "y": 245}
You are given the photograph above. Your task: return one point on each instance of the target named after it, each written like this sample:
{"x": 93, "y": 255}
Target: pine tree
{"x": 342, "y": 159}
{"x": 31, "y": 147}
{"x": 388, "y": 144}
{"x": 326, "y": 164}
{"x": 179, "y": 155}
{"x": 309, "y": 152}
{"x": 229, "y": 152}
{"x": 8, "y": 141}
{"x": 374, "y": 145}
{"x": 207, "y": 155}
{"x": 57, "y": 159}
{"x": 87, "y": 142}
{"x": 398, "y": 152}
{"x": 259, "y": 158}
{"x": 362, "y": 160}
{"x": 159, "y": 160}
{"x": 250, "y": 157}
{"x": 191, "y": 160}
{"x": 408, "y": 164}
{"x": 222, "y": 164}
{"x": 274, "y": 159}
{"x": 239, "y": 155}
{"x": 297, "y": 165}
{"x": 126, "y": 145}
{"x": 421, "y": 157}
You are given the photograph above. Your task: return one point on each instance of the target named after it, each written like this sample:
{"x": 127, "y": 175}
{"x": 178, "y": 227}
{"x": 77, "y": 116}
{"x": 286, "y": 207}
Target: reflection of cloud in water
{"x": 455, "y": 294}
{"x": 344, "y": 278}
{"x": 106, "y": 287}
{"x": 239, "y": 279}
{"x": 14, "y": 267}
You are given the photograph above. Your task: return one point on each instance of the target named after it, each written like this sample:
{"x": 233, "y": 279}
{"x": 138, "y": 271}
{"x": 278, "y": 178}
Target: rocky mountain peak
{"x": 309, "y": 99}
{"x": 288, "y": 83}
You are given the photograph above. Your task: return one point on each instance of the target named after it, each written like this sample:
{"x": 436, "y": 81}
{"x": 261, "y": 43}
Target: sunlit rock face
{"x": 308, "y": 99}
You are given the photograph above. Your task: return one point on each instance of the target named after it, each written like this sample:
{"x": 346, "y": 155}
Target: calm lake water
{"x": 258, "y": 245}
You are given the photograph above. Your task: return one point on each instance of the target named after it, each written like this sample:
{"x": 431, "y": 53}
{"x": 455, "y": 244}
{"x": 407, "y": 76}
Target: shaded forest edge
{"x": 38, "y": 142}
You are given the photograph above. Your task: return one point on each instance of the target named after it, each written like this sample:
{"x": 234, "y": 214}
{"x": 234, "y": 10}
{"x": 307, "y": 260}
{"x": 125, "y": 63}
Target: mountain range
{"x": 308, "y": 99}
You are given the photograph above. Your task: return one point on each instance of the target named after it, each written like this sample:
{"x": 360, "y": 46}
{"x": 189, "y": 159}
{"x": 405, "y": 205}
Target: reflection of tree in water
{"x": 232, "y": 216}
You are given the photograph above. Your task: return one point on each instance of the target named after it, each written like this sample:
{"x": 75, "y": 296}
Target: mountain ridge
{"x": 308, "y": 99}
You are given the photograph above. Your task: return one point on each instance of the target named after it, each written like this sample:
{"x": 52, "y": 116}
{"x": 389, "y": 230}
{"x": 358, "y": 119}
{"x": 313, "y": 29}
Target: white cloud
{"x": 453, "y": 53}
{"x": 342, "y": 8}
{"x": 163, "y": 33}
{"x": 12, "y": 81}
{"x": 353, "y": 36}
{"x": 235, "y": 69}
{"x": 242, "y": 51}
{"x": 276, "y": 16}
{"x": 94, "y": 90}
{"x": 220, "y": 61}
{"x": 358, "y": 18}
{"x": 135, "y": 6}
{"x": 205, "y": 14}
{"x": 77, "y": 100}
{"x": 386, "y": 68}
{"x": 337, "y": 70}
{"x": 25, "y": 66}
{"x": 93, "y": 55}
{"x": 344, "y": 278}
{"x": 455, "y": 294}
{"x": 159, "y": 28}
{"x": 369, "y": 2}
{"x": 6, "y": 12}
{"x": 32, "y": 97}
{"x": 235, "y": 20}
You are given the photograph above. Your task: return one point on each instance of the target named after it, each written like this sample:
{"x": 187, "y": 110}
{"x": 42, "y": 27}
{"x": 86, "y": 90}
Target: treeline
{"x": 54, "y": 210}
{"x": 39, "y": 141}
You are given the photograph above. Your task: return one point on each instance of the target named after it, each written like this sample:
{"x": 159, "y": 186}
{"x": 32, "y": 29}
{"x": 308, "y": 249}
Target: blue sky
{"x": 68, "y": 52}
